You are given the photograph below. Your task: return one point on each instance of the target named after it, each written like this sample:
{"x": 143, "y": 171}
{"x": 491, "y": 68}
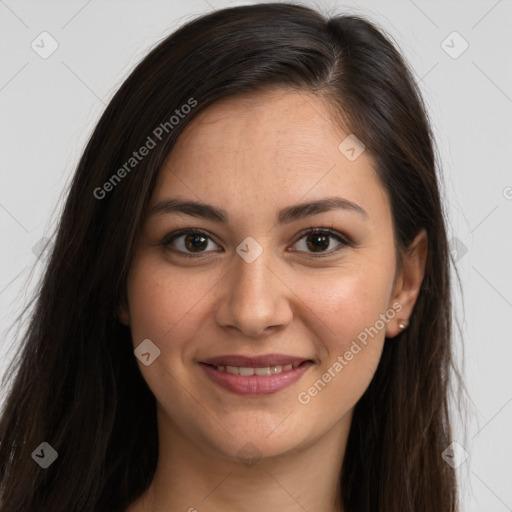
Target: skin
{"x": 252, "y": 156}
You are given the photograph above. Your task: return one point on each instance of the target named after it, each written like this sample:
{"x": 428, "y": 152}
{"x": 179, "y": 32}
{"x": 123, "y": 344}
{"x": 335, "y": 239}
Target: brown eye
{"x": 193, "y": 241}
{"x": 317, "y": 242}
{"x": 321, "y": 241}
{"x": 188, "y": 242}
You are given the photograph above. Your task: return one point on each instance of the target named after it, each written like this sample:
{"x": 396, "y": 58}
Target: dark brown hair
{"x": 76, "y": 384}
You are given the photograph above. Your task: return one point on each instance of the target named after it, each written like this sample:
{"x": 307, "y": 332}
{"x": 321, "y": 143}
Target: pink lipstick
{"x": 255, "y": 376}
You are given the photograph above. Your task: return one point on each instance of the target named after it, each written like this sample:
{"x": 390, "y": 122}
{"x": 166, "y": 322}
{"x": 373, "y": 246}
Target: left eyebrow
{"x": 284, "y": 216}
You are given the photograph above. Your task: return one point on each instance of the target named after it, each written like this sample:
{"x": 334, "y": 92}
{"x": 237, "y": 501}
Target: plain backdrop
{"x": 460, "y": 52}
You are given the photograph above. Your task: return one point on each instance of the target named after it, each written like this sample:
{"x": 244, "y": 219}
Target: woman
{"x": 247, "y": 305}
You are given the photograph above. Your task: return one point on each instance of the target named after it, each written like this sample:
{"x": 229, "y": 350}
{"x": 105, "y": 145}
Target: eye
{"x": 193, "y": 243}
{"x": 319, "y": 242}
{"x": 188, "y": 242}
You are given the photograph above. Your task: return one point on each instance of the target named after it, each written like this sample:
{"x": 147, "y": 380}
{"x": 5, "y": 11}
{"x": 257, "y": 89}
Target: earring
{"x": 402, "y": 324}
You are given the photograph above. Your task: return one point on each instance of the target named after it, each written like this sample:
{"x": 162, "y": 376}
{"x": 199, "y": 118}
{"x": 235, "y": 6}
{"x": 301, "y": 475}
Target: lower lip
{"x": 256, "y": 385}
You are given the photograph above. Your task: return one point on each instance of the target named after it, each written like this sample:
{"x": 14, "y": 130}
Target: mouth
{"x": 255, "y": 376}
{"x": 246, "y": 371}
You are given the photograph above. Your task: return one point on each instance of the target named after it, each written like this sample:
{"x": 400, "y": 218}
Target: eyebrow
{"x": 284, "y": 216}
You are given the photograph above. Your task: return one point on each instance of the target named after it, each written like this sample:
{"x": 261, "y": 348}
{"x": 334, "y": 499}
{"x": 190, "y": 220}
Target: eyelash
{"x": 311, "y": 231}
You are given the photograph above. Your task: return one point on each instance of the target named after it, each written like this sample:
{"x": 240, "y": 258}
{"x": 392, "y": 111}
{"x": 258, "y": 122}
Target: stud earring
{"x": 402, "y": 324}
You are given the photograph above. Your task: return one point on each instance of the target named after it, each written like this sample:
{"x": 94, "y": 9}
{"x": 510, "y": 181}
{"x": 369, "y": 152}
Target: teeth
{"x": 232, "y": 369}
{"x": 265, "y": 370}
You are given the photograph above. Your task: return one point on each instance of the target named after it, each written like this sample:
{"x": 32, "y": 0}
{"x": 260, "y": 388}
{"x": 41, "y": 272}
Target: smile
{"x": 257, "y": 376}
{"x": 263, "y": 370}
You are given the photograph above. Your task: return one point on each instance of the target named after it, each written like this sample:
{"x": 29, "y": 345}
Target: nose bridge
{"x": 254, "y": 298}
{"x": 252, "y": 281}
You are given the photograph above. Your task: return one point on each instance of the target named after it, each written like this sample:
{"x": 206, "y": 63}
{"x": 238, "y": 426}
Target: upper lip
{"x": 254, "y": 361}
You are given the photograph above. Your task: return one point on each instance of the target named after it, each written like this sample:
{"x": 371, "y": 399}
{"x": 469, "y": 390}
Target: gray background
{"x": 50, "y": 105}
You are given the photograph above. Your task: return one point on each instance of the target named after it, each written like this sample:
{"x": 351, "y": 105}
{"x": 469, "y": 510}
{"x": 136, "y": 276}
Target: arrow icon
{"x": 249, "y": 253}
{"x": 44, "y": 455}
{"x": 454, "y": 45}
{"x": 455, "y": 455}
{"x": 147, "y": 352}
{"x": 351, "y": 147}
{"x": 44, "y": 45}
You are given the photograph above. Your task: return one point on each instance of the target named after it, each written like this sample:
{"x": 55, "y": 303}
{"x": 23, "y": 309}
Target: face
{"x": 261, "y": 323}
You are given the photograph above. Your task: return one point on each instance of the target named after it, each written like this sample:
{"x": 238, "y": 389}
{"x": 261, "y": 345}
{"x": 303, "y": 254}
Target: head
{"x": 253, "y": 111}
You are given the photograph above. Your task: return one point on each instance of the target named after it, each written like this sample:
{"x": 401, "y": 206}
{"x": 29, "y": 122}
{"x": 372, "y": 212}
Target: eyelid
{"x": 340, "y": 237}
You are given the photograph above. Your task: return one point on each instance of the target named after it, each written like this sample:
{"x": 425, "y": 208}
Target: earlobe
{"x": 396, "y": 326}
{"x": 123, "y": 315}
{"x": 408, "y": 283}
{"x": 123, "y": 310}
{"x": 402, "y": 323}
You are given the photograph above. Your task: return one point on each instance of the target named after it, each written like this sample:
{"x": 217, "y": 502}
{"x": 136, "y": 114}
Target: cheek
{"x": 344, "y": 304}
{"x": 350, "y": 314}
{"x": 165, "y": 307}
{"x": 165, "y": 301}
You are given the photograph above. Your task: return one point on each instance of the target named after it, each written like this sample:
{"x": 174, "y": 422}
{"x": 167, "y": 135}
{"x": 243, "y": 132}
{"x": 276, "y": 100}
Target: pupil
{"x": 318, "y": 245}
{"x": 195, "y": 244}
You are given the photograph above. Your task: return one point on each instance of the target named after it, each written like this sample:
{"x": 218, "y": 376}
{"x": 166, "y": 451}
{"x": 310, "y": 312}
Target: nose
{"x": 254, "y": 298}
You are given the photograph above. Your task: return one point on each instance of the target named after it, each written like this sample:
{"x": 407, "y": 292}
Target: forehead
{"x": 272, "y": 124}
{"x": 278, "y": 145}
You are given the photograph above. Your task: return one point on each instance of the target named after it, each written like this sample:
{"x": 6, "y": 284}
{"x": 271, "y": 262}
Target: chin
{"x": 249, "y": 445}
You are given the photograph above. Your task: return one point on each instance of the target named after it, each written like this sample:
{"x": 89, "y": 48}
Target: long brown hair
{"x": 76, "y": 384}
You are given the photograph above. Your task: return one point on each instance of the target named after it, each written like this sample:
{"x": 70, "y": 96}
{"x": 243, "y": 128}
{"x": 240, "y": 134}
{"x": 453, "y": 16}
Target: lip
{"x": 255, "y": 385}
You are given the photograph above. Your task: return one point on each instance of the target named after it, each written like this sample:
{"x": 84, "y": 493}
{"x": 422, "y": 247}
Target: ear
{"x": 123, "y": 315}
{"x": 408, "y": 282}
{"x": 123, "y": 312}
